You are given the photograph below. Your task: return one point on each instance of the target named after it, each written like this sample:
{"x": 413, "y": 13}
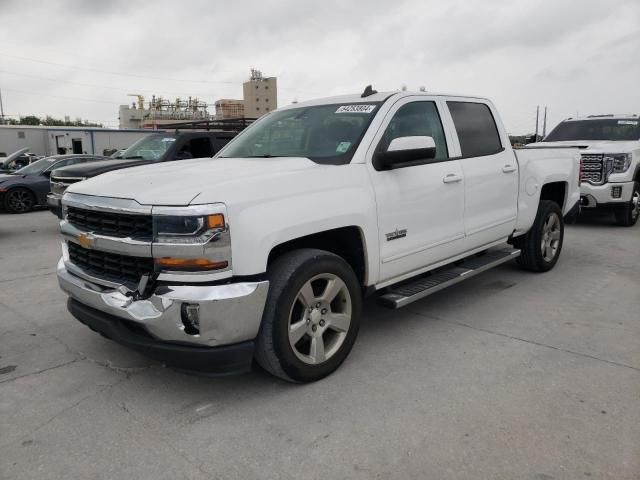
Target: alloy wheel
{"x": 635, "y": 205}
{"x": 319, "y": 319}
{"x": 550, "y": 237}
{"x": 19, "y": 201}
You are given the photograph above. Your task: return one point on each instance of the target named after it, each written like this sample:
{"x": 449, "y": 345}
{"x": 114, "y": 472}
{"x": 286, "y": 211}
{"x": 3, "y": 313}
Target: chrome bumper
{"x": 229, "y": 313}
{"x": 595, "y": 195}
{"x": 55, "y": 205}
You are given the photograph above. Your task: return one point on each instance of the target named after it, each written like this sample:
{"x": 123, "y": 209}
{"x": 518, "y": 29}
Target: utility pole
{"x": 1, "y": 109}
{"x": 544, "y": 123}
{"x": 537, "y": 117}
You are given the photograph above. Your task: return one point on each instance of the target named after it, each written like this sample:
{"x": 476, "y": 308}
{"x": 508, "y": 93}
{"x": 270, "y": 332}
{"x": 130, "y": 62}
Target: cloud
{"x": 519, "y": 53}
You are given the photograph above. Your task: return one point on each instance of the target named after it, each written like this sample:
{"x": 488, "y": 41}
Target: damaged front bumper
{"x": 228, "y": 320}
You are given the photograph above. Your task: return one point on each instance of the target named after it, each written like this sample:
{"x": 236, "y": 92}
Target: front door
{"x": 420, "y": 208}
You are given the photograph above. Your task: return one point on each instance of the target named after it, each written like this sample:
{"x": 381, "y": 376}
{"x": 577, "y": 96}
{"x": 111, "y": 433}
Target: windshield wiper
{"x": 134, "y": 156}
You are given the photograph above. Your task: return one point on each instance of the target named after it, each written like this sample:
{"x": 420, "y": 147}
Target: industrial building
{"x": 160, "y": 111}
{"x": 43, "y": 140}
{"x": 260, "y": 95}
{"x": 228, "y": 108}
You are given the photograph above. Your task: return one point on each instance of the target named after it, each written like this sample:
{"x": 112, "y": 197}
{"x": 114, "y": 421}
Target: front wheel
{"x": 627, "y": 216}
{"x": 541, "y": 246}
{"x": 311, "y": 317}
{"x": 19, "y": 200}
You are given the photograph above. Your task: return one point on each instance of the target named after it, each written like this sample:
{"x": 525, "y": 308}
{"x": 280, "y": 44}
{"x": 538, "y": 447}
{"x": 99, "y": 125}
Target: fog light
{"x": 190, "y": 313}
{"x": 616, "y": 192}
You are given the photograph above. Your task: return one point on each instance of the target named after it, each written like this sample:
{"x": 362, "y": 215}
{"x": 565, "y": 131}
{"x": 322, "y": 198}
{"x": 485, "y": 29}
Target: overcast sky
{"x": 82, "y": 58}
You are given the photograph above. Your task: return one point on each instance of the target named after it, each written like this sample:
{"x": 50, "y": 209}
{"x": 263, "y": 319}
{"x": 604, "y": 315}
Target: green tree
{"x": 29, "y": 120}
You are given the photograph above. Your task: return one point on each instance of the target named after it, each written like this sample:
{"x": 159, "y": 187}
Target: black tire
{"x": 532, "y": 257}
{"x": 287, "y": 275}
{"x": 19, "y": 200}
{"x": 627, "y": 216}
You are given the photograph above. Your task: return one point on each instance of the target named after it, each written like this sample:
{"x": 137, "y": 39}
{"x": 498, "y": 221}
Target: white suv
{"x": 610, "y": 161}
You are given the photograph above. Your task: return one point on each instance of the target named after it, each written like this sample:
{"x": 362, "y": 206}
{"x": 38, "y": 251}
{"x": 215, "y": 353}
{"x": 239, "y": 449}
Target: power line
{"x": 61, "y": 97}
{"x": 89, "y": 84}
{"x": 89, "y": 69}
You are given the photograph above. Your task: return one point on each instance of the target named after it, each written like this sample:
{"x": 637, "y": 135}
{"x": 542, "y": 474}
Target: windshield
{"x": 325, "y": 133}
{"x": 37, "y": 167}
{"x": 609, "y": 129}
{"x": 152, "y": 147}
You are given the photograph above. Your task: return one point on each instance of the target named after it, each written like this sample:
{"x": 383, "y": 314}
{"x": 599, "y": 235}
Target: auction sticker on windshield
{"x": 627, "y": 122}
{"x": 356, "y": 109}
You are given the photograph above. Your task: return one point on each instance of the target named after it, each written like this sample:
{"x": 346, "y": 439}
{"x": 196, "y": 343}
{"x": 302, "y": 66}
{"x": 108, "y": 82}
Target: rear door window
{"x": 476, "y": 128}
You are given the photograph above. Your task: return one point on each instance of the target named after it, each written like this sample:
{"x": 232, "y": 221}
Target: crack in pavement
{"x": 38, "y": 372}
{"x": 197, "y": 464}
{"x": 75, "y": 353}
{"x": 26, "y": 277}
{"x": 532, "y": 342}
{"x": 101, "y": 389}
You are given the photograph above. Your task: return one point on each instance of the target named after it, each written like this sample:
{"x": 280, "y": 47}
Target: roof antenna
{"x": 368, "y": 91}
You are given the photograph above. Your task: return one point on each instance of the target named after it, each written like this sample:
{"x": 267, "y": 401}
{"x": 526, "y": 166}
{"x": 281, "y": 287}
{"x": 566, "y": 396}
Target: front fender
{"x": 343, "y": 199}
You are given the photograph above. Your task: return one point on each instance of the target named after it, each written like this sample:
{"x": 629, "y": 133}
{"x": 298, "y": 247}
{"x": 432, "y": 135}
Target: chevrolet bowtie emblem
{"x": 86, "y": 240}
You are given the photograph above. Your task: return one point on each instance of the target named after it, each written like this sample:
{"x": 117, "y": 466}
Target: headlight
{"x": 187, "y": 229}
{"x": 189, "y": 239}
{"x": 620, "y": 162}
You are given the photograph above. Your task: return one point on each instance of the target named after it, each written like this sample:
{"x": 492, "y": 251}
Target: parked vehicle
{"x": 17, "y": 160}
{"x": 266, "y": 251}
{"x": 150, "y": 149}
{"x": 610, "y": 147}
{"x": 27, "y": 188}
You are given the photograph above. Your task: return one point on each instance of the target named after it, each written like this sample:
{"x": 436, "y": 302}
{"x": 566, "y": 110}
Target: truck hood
{"x": 91, "y": 169}
{"x": 602, "y": 146}
{"x": 207, "y": 180}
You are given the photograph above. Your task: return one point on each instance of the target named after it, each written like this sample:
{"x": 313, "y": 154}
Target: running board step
{"x": 412, "y": 290}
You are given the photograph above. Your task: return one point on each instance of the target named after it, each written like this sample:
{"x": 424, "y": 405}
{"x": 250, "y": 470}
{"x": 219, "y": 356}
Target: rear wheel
{"x": 311, "y": 317}
{"x": 627, "y": 216}
{"x": 19, "y": 200}
{"x": 541, "y": 246}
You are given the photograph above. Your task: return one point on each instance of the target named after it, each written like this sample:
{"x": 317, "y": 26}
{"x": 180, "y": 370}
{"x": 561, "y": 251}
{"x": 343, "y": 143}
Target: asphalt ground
{"x": 509, "y": 375}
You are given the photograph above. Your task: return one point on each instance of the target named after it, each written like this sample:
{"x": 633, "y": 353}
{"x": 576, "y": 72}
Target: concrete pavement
{"x": 510, "y": 375}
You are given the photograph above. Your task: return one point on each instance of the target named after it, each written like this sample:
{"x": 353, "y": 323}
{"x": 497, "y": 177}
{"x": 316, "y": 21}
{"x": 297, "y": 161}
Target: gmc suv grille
{"x": 592, "y": 169}
{"x": 110, "y": 266}
{"x": 111, "y": 223}
{"x": 60, "y": 184}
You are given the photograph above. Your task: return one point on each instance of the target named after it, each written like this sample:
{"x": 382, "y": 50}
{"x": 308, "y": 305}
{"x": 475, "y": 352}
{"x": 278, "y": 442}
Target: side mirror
{"x": 406, "y": 151}
{"x": 47, "y": 173}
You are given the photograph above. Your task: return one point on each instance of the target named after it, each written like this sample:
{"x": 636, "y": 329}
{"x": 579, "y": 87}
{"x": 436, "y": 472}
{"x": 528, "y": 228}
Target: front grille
{"x": 110, "y": 266}
{"x": 60, "y": 184}
{"x": 111, "y": 223}
{"x": 592, "y": 169}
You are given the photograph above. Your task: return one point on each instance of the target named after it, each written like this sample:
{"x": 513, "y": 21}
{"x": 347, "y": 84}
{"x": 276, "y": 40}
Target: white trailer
{"x": 44, "y": 140}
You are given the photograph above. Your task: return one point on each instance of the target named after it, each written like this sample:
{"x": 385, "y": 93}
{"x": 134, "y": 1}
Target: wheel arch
{"x": 555, "y": 191}
{"x": 346, "y": 242}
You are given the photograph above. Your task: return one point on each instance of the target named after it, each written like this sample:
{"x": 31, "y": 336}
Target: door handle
{"x": 508, "y": 168}
{"x": 452, "y": 178}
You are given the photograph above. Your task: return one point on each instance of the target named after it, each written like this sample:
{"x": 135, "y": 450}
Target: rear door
{"x": 420, "y": 208}
{"x": 490, "y": 172}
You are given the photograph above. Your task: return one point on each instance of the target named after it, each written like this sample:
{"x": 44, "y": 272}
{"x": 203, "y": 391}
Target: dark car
{"x": 155, "y": 148}
{"x": 27, "y": 188}
{"x": 17, "y": 160}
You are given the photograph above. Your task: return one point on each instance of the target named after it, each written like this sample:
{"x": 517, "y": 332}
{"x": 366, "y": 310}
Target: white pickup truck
{"x": 266, "y": 251}
{"x": 610, "y": 148}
